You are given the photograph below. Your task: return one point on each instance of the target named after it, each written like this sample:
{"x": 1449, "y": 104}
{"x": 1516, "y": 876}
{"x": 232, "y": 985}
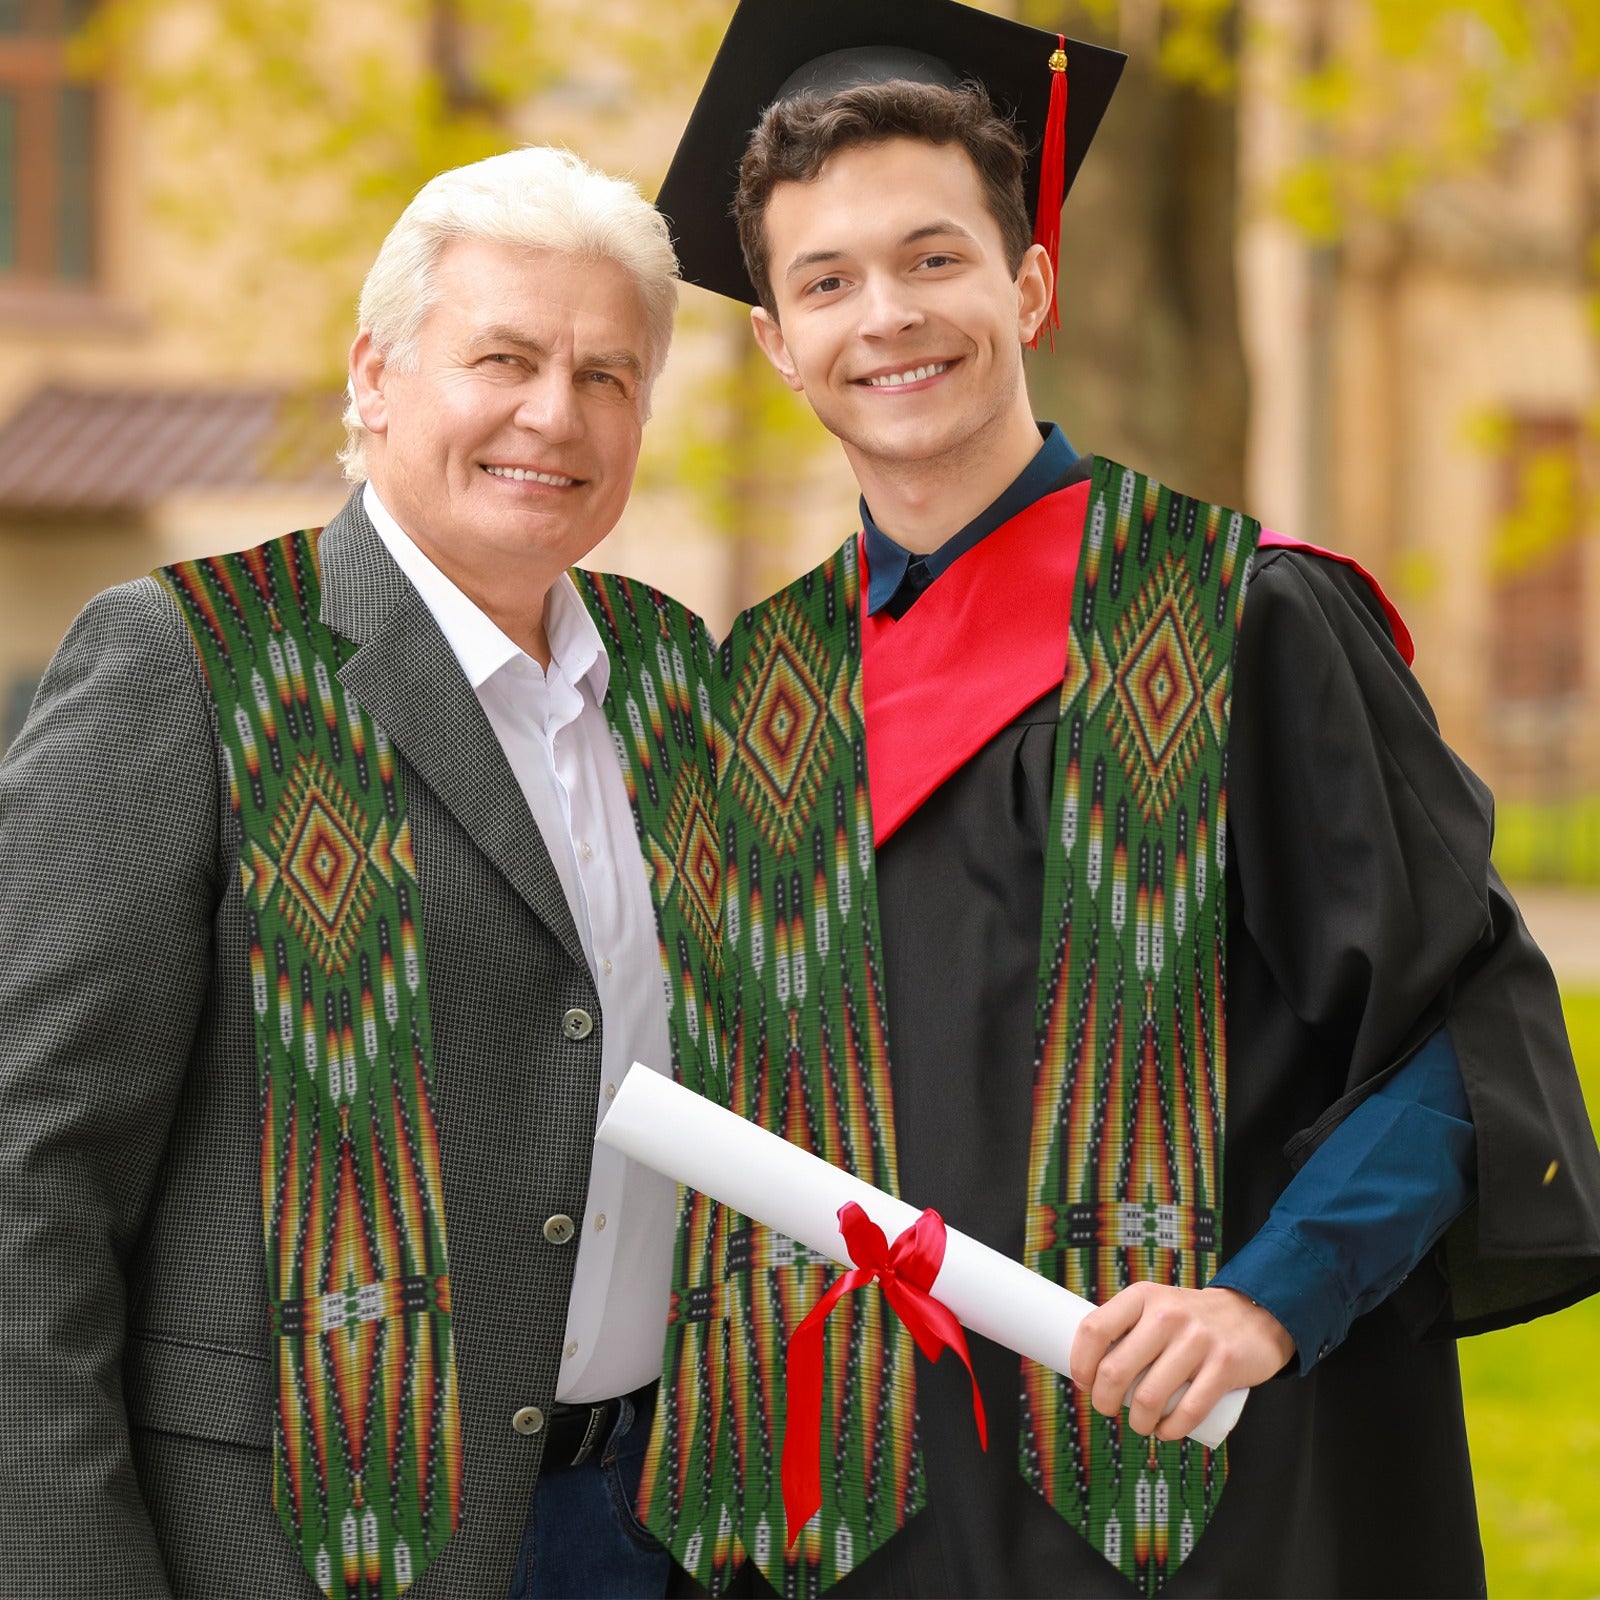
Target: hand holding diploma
{"x": 679, "y": 1133}
{"x": 1170, "y": 1354}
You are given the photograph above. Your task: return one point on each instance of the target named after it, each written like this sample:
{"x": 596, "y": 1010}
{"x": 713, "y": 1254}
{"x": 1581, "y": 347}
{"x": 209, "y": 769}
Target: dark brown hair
{"x": 796, "y": 137}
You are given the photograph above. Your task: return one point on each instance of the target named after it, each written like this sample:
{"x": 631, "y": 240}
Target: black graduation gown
{"x": 1362, "y": 911}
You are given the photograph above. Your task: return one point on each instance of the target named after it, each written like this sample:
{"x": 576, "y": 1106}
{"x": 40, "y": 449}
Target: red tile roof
{"x": 86, "y": 450}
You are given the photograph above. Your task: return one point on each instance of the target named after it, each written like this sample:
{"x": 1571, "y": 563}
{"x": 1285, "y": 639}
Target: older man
{"x": 324, "y": 933}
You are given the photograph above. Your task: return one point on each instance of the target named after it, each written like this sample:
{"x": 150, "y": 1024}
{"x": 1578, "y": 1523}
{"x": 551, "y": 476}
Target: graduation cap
{"x": 1055, "y": 91}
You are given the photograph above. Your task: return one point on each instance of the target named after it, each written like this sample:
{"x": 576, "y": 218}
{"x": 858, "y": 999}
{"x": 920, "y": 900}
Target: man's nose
{"x": 888, "y": 307}
{"x": 549, "y": 405}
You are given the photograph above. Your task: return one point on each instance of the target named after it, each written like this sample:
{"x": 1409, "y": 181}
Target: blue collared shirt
{"x": 897, "y": 575}
{"x": 1379, "y": 1192}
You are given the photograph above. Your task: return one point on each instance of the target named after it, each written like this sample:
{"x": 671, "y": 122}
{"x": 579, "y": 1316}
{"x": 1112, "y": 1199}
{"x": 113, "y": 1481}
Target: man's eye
{"x": 605, "y": 377}
{"x": 826, "y": 285}
{"x": 938, "y": 261}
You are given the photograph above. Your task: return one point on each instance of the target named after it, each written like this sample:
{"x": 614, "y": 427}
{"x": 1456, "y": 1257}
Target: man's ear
{"x": 774, "y": 347}
{"x": 1036, "y": 282}
{"x": 367, "y": 372}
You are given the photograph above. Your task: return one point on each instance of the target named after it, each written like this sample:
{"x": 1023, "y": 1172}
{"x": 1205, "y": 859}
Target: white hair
{"x": 536, "y": 197}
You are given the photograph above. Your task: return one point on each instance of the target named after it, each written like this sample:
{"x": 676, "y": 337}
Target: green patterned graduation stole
{"x": 1125, "y": 1168}
{"x": 659, "y": 707}
{"x": 367, "y": 1433}
{"x": 805, "y": 1056}
{"x": 808, "y": 1058}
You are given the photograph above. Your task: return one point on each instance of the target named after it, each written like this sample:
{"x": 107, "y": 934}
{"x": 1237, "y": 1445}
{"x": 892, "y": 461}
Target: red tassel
{"x": 1052, "y": 182}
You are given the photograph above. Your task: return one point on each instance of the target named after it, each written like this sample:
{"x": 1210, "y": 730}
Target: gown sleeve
{"x": 1361, "y": 862}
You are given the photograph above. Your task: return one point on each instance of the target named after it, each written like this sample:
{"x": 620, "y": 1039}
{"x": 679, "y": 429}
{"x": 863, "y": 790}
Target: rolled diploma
{"x": 675, "y": 1131}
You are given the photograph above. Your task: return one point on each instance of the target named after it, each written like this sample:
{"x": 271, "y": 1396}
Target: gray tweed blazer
{"x": 135, "y": 1450}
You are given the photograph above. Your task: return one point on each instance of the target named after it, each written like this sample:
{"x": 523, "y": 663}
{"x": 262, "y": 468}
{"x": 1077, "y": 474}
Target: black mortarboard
{"x": 777, "y": 48}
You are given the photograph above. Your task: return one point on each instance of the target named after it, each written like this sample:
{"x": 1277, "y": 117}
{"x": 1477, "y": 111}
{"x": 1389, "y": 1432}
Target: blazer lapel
{"x": 406, "y": 675}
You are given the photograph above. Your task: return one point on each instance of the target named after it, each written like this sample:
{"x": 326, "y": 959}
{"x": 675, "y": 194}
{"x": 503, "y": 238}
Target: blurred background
{"x": 1336, "y": 262}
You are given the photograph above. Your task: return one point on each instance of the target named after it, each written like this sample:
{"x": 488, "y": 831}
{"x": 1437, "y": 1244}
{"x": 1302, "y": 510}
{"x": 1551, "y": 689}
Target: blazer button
{"x": 530, "y": 1419}
{"x": 559, "y": 1229}
{"x": 577, "y": 1024}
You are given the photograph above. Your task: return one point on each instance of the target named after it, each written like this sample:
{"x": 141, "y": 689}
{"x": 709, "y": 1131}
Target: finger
{"x": 1100, "y": 1330}
{"x": 1206, "y": 1387}
{"x": 1124, "y": 1362}
{"x": 1178, "y": 1362}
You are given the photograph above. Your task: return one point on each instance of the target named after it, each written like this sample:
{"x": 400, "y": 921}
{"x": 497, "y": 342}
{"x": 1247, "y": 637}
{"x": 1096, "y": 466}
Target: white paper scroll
{"x": 677, "y": 1132}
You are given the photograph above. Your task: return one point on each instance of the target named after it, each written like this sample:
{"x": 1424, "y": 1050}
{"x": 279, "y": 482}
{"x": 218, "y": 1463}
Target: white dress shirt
{"x": 556, "y": 737}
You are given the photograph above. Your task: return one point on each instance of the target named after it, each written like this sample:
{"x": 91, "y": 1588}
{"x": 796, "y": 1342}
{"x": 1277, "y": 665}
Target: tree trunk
{"x": 1149, "y": 367}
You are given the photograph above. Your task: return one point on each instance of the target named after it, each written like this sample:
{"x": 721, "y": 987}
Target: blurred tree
{"x": 1149, "y": 365}
{"x": 306, "y": 126}
{"x": 745, "y": 447}
{"x": 1403, "y": 95}
{"x": 1395, "y": 100}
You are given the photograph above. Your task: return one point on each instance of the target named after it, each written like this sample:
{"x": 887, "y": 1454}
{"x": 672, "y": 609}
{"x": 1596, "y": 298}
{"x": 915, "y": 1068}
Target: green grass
{"x": 1533, "y": 1415}
{"x": 1548, "y": 841}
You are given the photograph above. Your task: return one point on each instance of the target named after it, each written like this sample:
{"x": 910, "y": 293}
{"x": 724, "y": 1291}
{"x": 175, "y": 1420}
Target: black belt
{"x": 574, "y": 1433}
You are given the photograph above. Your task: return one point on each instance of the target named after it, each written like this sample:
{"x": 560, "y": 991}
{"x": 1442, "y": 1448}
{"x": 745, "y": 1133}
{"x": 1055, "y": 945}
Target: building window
{"x": 48, "y": 135}
{"x": 1538, "y": 567}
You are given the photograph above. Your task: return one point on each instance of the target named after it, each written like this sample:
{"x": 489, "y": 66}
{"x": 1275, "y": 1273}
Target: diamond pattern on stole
{"x": 778, "y": 712}
{"x": 697, "y": 865}
{"x": 367, "y": 1442}
{"x": 316, "y": 835}
{"x": 1163, "y": 655}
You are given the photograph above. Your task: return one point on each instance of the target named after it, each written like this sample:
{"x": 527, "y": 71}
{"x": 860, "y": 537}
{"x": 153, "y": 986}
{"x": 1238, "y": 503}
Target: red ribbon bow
{"x": 906, "y": 1269}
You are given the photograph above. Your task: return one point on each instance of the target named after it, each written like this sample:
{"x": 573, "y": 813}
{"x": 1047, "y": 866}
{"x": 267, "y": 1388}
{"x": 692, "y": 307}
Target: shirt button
{"x": 530, "y": 1419}
{"x": 600, "y": 1222}
{"x": 559, "y": 1229}
{"x": 588, "y": 850}
{"x": 571, "y": 1350}
{"x": 611, "y": 1091}
{"x": 577, "y": 1023}
{"x": 605, "y": 967}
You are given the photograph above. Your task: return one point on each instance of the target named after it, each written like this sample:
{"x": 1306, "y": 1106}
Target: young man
{"x": 1022, "y": 923}
{"x": 325, "y": 930}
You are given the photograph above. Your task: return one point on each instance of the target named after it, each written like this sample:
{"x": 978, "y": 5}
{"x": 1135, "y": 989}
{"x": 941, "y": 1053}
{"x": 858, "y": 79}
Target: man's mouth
{"x": 898, "y": 380}
{"x": 556, "y": 480}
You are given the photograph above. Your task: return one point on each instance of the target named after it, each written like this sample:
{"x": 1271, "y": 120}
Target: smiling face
{"x": 507, "y": 451}
{"x": 898, "y": 316}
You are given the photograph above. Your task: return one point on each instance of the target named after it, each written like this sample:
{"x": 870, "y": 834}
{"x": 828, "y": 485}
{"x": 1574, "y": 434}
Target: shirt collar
{"x": 478, "y": 642}
{"x": 888, "y": 562}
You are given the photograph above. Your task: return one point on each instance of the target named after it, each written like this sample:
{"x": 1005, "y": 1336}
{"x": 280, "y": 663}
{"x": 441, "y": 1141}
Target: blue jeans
{"x": 582, "y": 1540}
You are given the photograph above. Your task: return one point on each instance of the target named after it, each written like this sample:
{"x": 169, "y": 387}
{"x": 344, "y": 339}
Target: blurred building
{"x": 1426, "y": 396}
{"x": 121, "y": 447}
{"x": 1422, "y": 394}
{"x": 161, "y": 401}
